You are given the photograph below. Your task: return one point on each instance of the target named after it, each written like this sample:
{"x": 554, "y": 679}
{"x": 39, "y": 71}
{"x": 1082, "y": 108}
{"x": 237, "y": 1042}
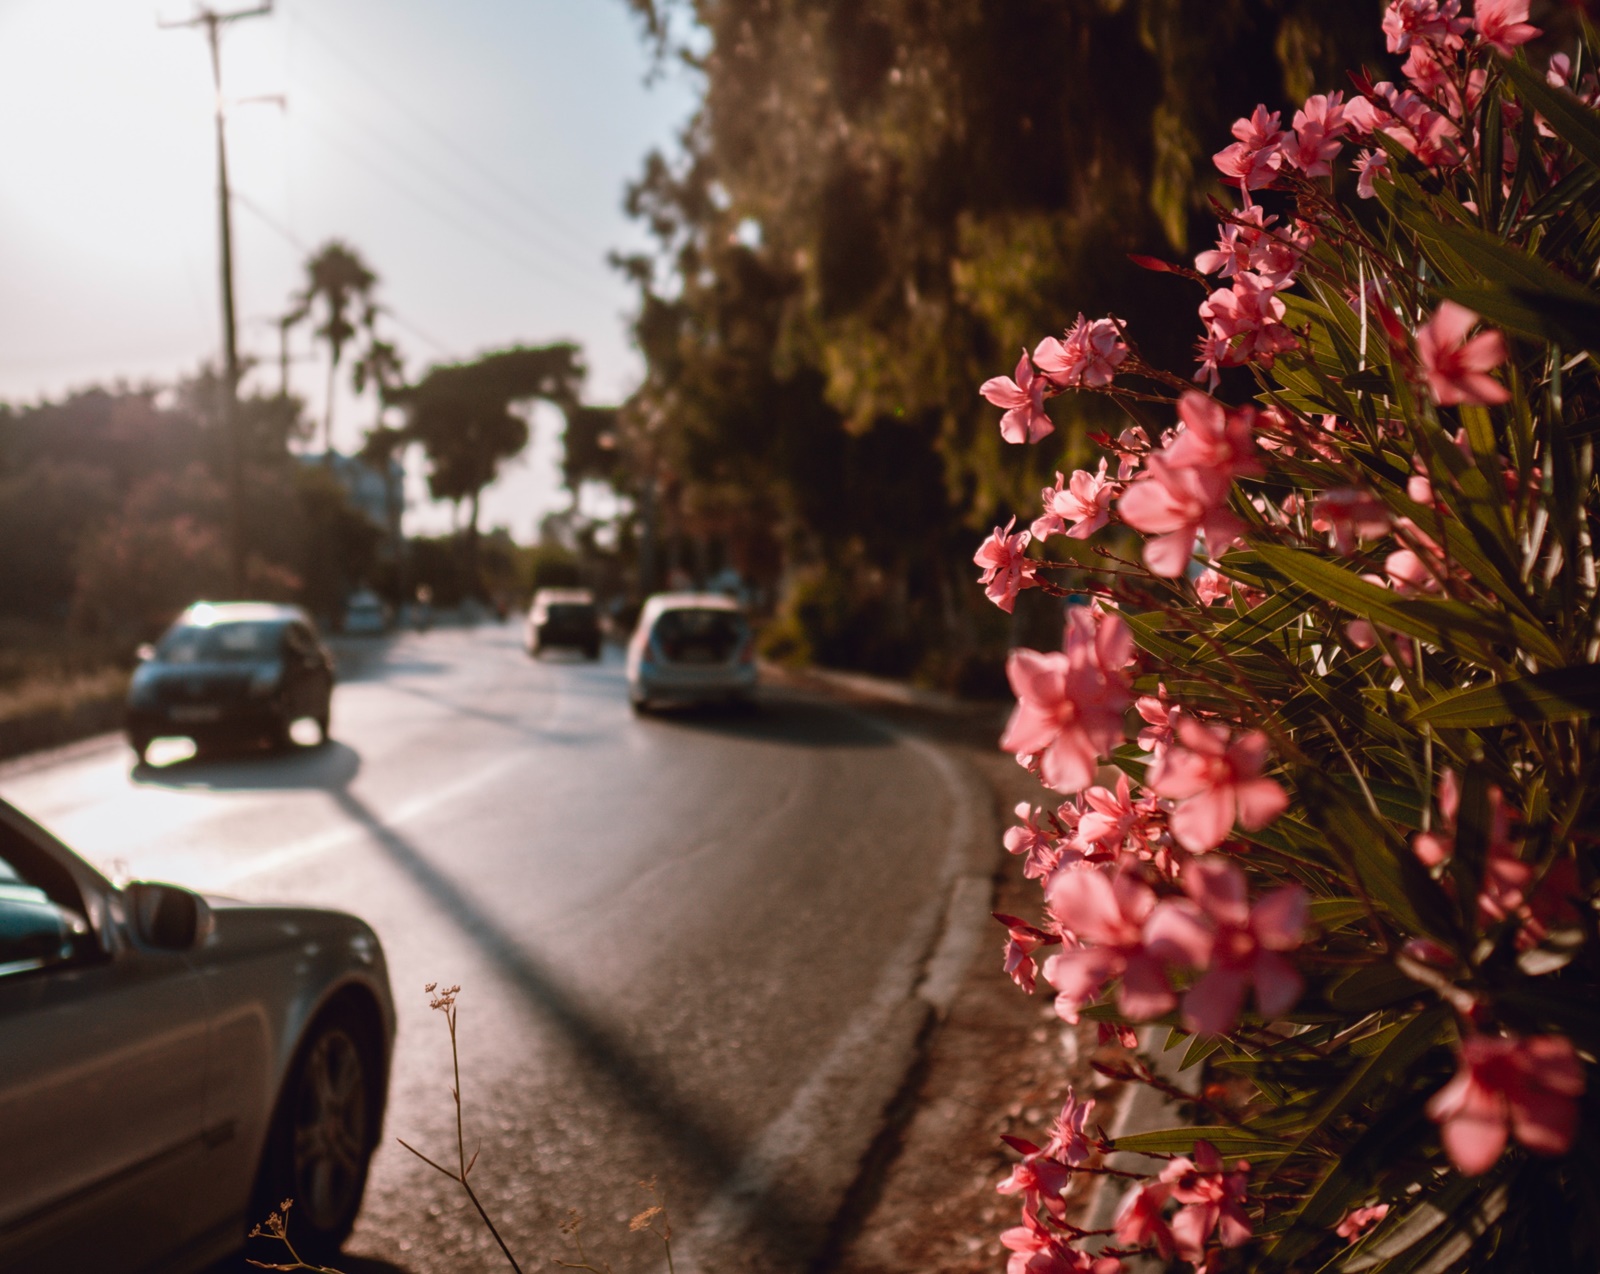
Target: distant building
{"x": 378, "y": 495}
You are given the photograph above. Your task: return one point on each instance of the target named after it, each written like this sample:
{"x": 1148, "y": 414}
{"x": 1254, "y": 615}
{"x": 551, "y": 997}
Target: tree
{"x": 337, "y": 280}
{"x": 462, "y": 415}
{"x": 880, "y": 198}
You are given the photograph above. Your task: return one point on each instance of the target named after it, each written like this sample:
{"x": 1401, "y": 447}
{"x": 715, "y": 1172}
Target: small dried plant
{"x": 276, "y": 1227}
{"x": 444, "y": 1001}
{"x": 653, "y": 1220}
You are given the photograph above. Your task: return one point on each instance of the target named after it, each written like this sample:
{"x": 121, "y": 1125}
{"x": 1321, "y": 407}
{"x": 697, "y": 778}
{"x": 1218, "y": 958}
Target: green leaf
{"x": 1571, "y": 120}
{"x": 1440, "y": 623}
{"x": 1335, "y": 913}
{"x": 1558, "y": 695}
{"x": 1179, "y": 1141}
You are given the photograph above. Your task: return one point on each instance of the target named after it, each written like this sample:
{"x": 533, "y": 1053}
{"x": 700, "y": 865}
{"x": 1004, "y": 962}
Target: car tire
{"x": 280, "y": 738}
{"x": 591, "y": 653}
{"x": 641, "y": 707}
{"x": 322, "y": 1136}
{"x": 140, "y": 746}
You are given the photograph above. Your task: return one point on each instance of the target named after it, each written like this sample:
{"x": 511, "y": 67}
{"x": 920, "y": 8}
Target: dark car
{"x": 231, "y": 672}
{"x": 173, "y": 1067}
{"x": 563, "y": 617}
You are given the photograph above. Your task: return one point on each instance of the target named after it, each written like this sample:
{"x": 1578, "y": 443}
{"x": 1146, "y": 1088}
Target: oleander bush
{"x": 1325, "y": 728}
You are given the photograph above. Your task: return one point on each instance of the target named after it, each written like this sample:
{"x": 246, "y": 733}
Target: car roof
{"x": 566, "y": 596}
{"x": 662, "y": 602}
{"x": 208, "y": 614}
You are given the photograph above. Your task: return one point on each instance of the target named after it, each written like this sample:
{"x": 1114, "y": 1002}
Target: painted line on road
{"x": 917, "y": 964}
{"x": 323, "y": 842}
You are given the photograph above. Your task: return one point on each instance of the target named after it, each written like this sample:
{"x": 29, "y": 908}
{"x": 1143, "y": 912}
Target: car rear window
{"x": 571, "y": 613}
{"x": 699, "y": 636}
{"x": 245, "y": 641}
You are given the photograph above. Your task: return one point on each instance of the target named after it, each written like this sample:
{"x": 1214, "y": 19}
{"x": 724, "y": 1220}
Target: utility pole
{"x": 213, "y": 21}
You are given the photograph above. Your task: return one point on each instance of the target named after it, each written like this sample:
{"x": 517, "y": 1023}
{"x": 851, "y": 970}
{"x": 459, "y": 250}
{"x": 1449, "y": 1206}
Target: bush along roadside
{"x": 48, "y": 711}
{"x": 1348, "y": 843}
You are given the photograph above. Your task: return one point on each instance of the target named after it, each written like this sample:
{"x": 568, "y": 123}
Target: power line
{"x": 561, "y": 259}
{"x": 543, "y": 271}
{"x": 451, "y": 144}
{"x": 300, "y": 246}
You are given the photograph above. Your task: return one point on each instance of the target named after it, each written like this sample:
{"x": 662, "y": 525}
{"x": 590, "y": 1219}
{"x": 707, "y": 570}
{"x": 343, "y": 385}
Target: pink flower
{"x": 1107, "y": 820}
{"x": 1216, "y": 783}
{"x": 1039, "y": 849}
{"x": 1085, "y": 503}
{"x": 1435, "y": 22}
{"x": 1212, "y": 585}
{"x": 1160, "y": 718}
{"x": 1007, "y": 568}
{"x": 1214, "y": 438}
{"x": 1249, "y": 318}
{"x": 1526, "y": 1088}
{"x": 1458, "y": 369}
{"x": 1034, "y": 1250}
{"x": 1213, "y": 1201}
{"x": 1370, "y": 165}
{"x": 1070, "y": 703}
{"x": 1358, "y": 1221}
{"x": 1435, "y": 847}
{"x": 1248, "y": 243}
{"x": 1238, "y": 946}
{"x": 1139, "y": 1221}
{"x": 1022, "y": 940}
{"x": 1177, "y": 505}
{"x": 1252, "y": 162}
{"x": 1503, "y": 24}
{"x": 1106, "y": 914}
{"x": 1089, "y": 354}
{"x": 1420, "y": 566}
{"x": 1317, "y": 130}
{"x": 1023, "y": 399}
{"x": 1349, "y": 516}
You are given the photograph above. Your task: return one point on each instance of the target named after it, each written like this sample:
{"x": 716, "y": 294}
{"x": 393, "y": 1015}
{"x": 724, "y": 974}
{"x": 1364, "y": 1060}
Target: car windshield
{"x": 244, "y": 641}
{"x": 699, "y": 636}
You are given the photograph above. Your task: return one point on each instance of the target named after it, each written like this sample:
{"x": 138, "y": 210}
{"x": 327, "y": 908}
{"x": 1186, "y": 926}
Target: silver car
{"x": 172, "y": 1067}
{"x": 691, "y": 648}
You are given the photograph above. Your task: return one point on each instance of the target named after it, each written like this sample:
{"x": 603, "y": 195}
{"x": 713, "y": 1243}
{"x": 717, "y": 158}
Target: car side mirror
{"x": 145, "y": 653}
{"x": 166, "y": 917}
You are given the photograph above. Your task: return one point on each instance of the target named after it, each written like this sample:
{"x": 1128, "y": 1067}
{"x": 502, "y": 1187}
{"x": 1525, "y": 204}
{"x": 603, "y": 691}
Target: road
{"x": 696, "y": 947}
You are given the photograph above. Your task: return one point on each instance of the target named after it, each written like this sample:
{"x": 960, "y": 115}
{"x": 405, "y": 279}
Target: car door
{"x": 102, "y": 1077}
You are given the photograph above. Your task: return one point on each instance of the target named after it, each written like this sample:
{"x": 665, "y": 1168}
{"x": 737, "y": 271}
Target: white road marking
{"x": 334, "y": 838}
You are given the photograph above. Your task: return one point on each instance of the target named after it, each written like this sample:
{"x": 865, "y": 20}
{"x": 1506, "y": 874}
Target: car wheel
{"x": 591, "y": 653}
{"x": 140, "y": 746}
{"x": 321, "y": 1140}
{"x": 281, "y": 738}
{"x": 640, "y": 707}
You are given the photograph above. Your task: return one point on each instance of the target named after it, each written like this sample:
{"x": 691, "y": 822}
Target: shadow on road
{"x": 697, "y": 1132}
{"x": 330, "y": 767}
{"x": 777, "y": 718}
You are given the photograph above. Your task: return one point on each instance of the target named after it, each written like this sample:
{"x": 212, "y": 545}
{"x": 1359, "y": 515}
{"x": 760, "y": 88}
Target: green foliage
{"x": 878, "y": 203}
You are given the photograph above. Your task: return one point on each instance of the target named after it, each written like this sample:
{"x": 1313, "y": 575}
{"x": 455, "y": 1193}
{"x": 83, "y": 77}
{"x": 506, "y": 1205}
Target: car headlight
{"x": 265, "y": 680}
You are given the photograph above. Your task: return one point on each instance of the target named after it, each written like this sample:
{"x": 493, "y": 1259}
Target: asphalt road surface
{"x": 696, "y": 947}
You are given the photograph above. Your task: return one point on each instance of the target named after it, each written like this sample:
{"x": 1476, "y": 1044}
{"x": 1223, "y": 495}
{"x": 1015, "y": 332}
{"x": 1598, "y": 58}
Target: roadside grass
{"x": 55, "y": 688}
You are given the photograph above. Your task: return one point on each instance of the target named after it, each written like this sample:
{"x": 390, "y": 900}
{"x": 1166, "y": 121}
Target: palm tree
{"x": 337, "y": 279}
{"x": 382, "y": 367}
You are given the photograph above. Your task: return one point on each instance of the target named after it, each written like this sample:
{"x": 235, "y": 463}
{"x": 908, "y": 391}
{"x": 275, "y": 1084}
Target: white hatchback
{"x": 691, "y": 648}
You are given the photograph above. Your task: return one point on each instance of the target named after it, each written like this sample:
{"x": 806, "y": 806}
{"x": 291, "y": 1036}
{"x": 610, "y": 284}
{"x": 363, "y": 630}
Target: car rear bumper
{"x": 204, "y": 721}
{"x": 657, "y": 681}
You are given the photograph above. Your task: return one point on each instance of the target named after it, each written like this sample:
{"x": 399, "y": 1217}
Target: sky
{"x": 475, "y": 153}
